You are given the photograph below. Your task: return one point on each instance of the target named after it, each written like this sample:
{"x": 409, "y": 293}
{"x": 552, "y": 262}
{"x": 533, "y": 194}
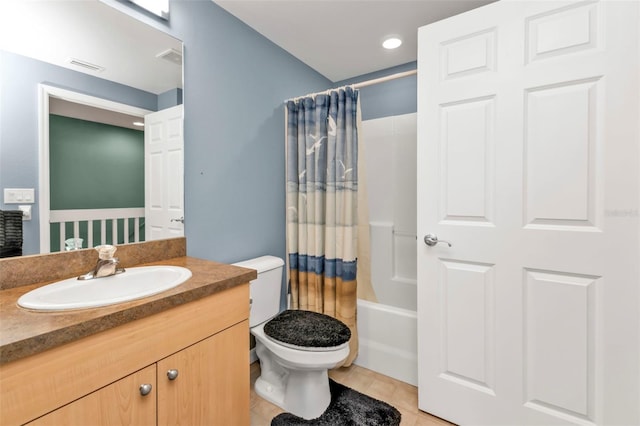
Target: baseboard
{"x": 252, "y": 356}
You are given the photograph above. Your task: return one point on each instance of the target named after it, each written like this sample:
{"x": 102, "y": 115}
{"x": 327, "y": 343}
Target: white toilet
{"x": 292, "y": 377}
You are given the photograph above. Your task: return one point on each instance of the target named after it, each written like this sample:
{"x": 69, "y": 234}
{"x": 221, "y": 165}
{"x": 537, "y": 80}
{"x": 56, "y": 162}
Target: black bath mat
{"x": 347, "y": 408}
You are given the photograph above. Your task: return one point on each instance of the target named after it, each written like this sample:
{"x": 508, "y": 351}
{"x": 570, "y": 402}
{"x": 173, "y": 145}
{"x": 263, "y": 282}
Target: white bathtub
{"x": 388, "y": 341}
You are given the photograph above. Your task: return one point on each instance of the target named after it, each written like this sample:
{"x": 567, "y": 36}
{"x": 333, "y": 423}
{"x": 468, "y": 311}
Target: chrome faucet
{"x": 106, "y": 266}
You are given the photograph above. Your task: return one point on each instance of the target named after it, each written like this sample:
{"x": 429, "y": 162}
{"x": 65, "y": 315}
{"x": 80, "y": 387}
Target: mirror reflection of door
{"x": 164, "y": 176}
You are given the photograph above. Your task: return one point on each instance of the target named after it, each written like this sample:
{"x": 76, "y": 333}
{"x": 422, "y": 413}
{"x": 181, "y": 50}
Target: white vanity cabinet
{"x": 97, "y": 380}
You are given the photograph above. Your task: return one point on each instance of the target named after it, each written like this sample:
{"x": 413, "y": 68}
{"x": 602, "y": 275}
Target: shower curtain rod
{"x": 363, "y": 83}
{"x": 383, "y": 79}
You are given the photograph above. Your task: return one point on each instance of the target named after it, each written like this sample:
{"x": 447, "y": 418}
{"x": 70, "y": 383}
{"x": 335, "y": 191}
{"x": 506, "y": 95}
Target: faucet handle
{"x": 106, "y": 251}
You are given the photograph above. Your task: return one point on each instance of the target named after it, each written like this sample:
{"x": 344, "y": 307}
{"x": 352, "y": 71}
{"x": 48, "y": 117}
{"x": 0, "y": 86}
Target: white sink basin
{"x": 135, "y": 283}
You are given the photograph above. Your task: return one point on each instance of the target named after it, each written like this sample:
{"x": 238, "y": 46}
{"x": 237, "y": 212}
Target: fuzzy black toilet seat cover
{"x": 307, "y": 329}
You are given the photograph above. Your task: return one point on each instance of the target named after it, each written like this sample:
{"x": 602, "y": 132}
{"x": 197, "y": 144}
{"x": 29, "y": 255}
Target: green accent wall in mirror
{"x": 95, "y": 165}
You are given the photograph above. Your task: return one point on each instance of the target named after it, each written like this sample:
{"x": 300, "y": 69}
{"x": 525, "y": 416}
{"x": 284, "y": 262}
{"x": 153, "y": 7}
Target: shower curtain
{"x": 322, "y": 193}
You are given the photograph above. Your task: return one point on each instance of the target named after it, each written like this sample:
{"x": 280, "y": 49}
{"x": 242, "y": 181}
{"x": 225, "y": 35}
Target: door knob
{"x": 172, "y": 374}
{"x": 181, "y": 220}
{"x": 145, "y": 389}
{"x": 432, "y": 239}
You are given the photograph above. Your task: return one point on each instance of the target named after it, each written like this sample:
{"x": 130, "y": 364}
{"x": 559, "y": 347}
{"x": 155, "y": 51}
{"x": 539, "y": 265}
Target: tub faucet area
{"x": 106, "y": 266}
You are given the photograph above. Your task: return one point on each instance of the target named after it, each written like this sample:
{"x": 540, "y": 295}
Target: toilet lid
{"x": 307, "y": 329}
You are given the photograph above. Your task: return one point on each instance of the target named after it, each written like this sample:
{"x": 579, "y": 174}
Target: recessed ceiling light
{"x": 391, "y": 43}
{"x": 138, "y": 123}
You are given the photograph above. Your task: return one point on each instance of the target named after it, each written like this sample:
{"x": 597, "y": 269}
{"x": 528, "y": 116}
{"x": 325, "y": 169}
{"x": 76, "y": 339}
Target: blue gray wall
{"x": 169, "y": 99}
{"x": 19, "y": 81}
{"x": 282, "y": 77}
{"x": 235, "y": 84}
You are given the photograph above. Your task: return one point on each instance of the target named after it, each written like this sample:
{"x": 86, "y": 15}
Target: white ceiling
{"x": 342, "y": 38}
{"x": 338, "y": 38}
{"x": 55, "y": 30}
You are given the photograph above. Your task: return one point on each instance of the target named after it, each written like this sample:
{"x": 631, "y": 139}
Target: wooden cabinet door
{"x": 119, "y": 403}
{"x": 212, "y": 385}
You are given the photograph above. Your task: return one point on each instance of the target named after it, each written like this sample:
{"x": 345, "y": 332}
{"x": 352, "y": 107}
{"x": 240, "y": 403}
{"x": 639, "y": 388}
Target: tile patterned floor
{"x": 399, "y": 394}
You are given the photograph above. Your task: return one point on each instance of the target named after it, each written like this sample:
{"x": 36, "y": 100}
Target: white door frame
{"x": 44, "y": 93}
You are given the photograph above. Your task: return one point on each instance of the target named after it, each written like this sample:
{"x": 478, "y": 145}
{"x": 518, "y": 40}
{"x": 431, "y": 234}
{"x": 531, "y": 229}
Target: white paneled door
{"x": 528, "y": 164}
{"x": 164, "y": 174}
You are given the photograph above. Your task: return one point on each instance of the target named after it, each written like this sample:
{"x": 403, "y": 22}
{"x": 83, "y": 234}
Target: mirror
{"x": 95, "y": 50}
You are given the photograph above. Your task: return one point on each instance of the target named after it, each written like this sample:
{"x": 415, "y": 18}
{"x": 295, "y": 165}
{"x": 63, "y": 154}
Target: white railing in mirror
{"x": 95, "y": 227}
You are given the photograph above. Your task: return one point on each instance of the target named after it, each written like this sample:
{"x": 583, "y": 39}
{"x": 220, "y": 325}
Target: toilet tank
{"x": 265, "y": 290}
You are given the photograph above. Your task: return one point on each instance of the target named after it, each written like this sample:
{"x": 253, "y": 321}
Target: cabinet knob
{"x": 172, "y": 374}
{"x": 145, "y": 389}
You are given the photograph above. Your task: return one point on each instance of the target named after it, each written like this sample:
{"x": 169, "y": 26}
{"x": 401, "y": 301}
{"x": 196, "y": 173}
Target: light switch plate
{"x": 19, "y": 195}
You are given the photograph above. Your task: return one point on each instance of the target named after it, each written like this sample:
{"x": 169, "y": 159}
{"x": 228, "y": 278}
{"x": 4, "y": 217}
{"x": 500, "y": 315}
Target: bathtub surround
{"x": 388, "y": 340}
{"x": 347, "y": 407}
{"x": 388, "y": 329}
{"x": 391, "y": 152}
{"x": 322, "y": 198}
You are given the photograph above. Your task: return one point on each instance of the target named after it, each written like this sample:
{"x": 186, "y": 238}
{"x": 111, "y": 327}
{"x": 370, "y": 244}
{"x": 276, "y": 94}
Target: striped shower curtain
{"x": 322, "y": 193}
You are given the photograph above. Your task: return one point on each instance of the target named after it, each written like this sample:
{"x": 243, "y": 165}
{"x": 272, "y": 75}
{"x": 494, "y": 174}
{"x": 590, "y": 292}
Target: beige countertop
{"x": 24, "y": 333}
